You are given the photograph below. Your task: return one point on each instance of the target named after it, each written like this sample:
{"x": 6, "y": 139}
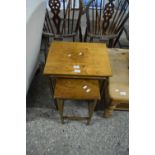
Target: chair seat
{"x": 77, "y": 89}
{"x": 119, "y": 82}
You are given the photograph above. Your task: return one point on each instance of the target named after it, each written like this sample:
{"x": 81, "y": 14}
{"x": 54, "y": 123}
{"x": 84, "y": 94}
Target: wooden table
{"x": 77, "y": 60}
{"x": 119, "y": 59}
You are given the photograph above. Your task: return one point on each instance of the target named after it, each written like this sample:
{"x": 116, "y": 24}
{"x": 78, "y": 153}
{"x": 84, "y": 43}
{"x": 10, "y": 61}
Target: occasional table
{"x": 77, "y": 60}
{"x": 117, "y": 94}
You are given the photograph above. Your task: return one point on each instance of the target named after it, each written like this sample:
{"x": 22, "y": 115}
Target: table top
{"x": 119, "y": 82}
{"x": 78, "y": 60}
{"x": 77, "y": 89}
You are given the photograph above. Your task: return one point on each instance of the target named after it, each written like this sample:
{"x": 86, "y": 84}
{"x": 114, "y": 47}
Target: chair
{"x": 105, "y": 19}
{"x": 118, "y": 85}
{"x": 63, "y": 20}
{"x": 76, "y": 89}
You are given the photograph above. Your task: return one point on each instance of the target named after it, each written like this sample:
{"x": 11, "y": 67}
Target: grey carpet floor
{"x": 45, "y": 135}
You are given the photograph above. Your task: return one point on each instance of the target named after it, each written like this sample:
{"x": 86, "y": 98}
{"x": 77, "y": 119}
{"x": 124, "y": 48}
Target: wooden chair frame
{"x": 107, "y": 21}
{"x": 62, "y": 24}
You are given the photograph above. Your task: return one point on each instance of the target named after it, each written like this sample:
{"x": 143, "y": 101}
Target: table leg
{"x": 103, "y": 87}
{"x": 61, "y": 108}
{"x": 110, "y": 105}
{"x": 91, "y": 107}
{"x": 52, "y": 87}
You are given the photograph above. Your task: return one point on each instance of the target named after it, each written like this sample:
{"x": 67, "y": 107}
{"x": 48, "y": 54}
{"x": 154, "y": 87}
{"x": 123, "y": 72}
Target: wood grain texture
{"x": 119, "y": 82}
{"x": 73, "y": 89}
{"x": 92, "y": 59}
{"x": 105, "y": 19}
{"x": 63, "y": 19}
{"x": 118, "y": 88}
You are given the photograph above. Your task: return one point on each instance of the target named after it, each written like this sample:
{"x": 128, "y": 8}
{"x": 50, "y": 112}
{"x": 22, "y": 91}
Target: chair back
{"x": 106, "y": 17}
{"x": 63, "y": 19}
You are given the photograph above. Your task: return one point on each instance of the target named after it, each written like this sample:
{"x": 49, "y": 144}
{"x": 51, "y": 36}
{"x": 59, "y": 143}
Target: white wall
{"x": 35, "y": 14}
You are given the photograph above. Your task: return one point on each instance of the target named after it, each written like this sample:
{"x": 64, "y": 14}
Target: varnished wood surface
{"x": 92, "y": 58}
{"x": 119, "y": 82}
{"x": 106, "y": 20}
{"x": 75, "y": 89}
{"x": 63, "y": 20}
{"x": 118, "y": 90}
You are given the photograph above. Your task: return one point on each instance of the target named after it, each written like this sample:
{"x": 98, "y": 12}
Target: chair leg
{"x": 91, "y": 107}
{"x": 46, "y": 42}
{"x": 110, "y": 43}
{"x": 56, "y": 104}
{"x": 80, "y": 34}
{"x": 91, "y": 39}
{"x": 61, "y": 108}
{"x": 118, "y": 37}
{"x": 85, "y": 37}
{"x": 73, "y": 38}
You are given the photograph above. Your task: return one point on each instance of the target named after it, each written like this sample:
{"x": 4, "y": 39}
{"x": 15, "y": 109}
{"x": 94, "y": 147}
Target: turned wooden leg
{"x": 109, "y": 110}
{"x": 61, "y": 108}
{"x": 91, "y": 107}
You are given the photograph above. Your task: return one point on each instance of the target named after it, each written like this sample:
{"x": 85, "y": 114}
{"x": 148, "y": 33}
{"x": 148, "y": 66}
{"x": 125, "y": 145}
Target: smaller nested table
{"x": 77, "y": 89}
